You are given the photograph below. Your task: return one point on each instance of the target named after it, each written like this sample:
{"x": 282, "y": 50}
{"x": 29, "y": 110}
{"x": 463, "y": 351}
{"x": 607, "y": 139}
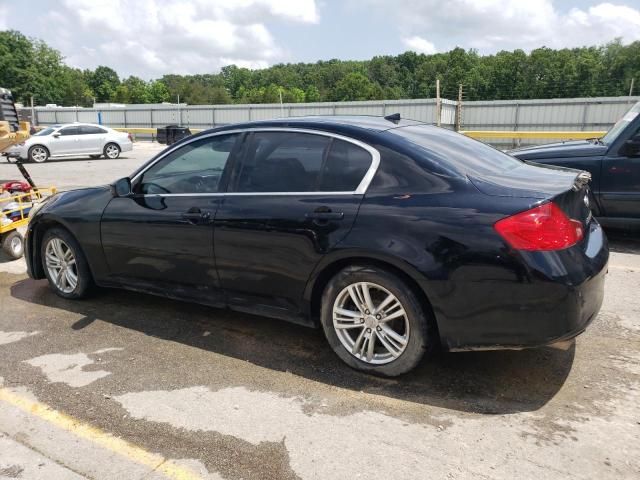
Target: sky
{"x": 150, "y": 38}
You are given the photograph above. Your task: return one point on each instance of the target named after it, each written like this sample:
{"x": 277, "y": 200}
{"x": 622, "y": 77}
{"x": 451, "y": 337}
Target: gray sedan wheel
{"x": 112, "y": 151}
{"x": 38, "y": 154}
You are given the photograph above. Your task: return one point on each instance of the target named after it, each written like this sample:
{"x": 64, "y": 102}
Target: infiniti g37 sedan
{"x": 72, "y": 140}
{"x": 392, "y": 236}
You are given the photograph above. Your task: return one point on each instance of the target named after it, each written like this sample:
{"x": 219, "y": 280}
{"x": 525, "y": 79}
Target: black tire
{"x": 420, "y": 340}
{"x": 95, "y": 157}
{"x": 83, "y": 273}
{"x": 13, "y": 245}
{"x": 38, "y": 154}
{"x": 108, "y": 148}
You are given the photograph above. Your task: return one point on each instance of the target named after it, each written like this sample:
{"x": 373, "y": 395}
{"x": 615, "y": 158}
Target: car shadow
{"x": 497, "y": 382}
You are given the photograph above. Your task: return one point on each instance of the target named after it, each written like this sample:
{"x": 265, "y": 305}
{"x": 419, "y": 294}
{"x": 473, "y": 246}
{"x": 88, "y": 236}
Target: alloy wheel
{"x": 39, "y": 154}
{"x": 112, "y": 151}
{"x": 61, "y": 265}
{"x": 371, "y": 323}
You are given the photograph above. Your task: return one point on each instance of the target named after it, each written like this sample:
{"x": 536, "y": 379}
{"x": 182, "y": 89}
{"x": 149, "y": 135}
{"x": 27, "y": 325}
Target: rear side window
{"x": 450, "y": 149}
{"x": 344, "y": 168}
{"x": 70, "y": 131}
{"x": 282, "y": 162}
{"x": 288, "y": 162}
{"x": 91, "y": 130}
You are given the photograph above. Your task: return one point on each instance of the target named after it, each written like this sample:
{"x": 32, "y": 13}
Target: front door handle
{"x": 324, "y": 213}
{"x": 196, "y": 216}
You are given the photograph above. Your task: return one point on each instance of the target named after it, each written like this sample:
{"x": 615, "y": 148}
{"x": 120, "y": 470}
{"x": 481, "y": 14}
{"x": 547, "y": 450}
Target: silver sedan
{"x": 72, "y": 140}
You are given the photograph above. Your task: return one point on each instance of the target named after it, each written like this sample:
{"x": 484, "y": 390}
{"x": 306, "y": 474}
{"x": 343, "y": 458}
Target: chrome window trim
{"x": 360, "y": 190}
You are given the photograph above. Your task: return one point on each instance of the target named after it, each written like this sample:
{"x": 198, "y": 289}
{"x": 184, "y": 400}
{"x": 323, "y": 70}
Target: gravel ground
{"x": 144, "y": 387}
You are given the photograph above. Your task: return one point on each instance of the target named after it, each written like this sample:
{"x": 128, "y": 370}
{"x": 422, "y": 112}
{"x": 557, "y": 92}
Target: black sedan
{"x": 393, "y": 236}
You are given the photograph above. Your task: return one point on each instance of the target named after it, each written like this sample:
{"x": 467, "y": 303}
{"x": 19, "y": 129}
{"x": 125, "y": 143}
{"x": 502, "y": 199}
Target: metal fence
{"x": 566, "y": 114}
{"x": 573, "y": 114}
{"x": 207, "y": 116}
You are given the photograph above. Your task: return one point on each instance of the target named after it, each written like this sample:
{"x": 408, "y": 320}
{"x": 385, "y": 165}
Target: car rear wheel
{"x": 64, "y": 264}
{"x": 38, "y": 154}
{"x": 374, "y": 322}
{"x": 112, "y": 151}
{"x": 13, "y": 245}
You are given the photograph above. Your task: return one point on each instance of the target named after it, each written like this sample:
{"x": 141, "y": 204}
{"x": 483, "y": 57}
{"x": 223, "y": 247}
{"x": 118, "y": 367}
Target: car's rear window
{"x": 451, "y": 149}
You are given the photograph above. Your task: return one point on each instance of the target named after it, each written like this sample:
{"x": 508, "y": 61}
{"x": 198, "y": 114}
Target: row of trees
{"x": 30, "y": 67}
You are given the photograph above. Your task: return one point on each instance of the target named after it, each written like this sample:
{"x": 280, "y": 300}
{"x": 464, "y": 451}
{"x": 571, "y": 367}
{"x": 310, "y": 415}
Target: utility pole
{"x": 438, "y": 103}
{"x": 633, "y": 80}
{"x": 34, "y": 120}
{"x": 459, "y": 110}
{"x": 281, "y": 105}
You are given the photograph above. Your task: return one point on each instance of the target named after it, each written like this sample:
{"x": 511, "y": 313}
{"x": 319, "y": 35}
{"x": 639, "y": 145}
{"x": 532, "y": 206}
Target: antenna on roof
{"x": 394, "y": 117}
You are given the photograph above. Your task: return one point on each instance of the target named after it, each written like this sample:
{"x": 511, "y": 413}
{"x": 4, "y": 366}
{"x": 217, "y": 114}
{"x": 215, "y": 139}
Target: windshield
{"x": 621, "y": 125}
{"x": 44, "y": 133}
{"x": 463, "y": 153}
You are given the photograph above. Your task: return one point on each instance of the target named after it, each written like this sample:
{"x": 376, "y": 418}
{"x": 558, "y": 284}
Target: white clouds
{"x": 3, "y": 17}
{"x": 492, "y": 25}
{"x": 152, "y": 37}
{"x": 419, "y": 44}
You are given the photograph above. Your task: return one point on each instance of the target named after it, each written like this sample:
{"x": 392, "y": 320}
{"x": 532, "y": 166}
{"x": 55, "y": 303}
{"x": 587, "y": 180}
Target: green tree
{"x": 158, "y": 92}
{"x": 137, "y": 90}
{"x": 354, "y": 86}
{"x": 104, "y": 81}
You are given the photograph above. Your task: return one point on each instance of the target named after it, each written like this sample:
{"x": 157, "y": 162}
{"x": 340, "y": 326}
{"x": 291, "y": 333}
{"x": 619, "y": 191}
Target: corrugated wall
{"x": 553, "y": 114}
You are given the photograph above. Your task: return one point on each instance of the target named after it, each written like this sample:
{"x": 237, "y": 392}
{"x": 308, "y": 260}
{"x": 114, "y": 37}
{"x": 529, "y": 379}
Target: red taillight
{"x": 545, "y": 227}
{"x": 130, "y": 137}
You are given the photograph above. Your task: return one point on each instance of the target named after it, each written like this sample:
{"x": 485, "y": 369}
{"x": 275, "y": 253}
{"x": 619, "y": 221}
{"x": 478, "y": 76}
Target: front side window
{"x": 193, "y": 168}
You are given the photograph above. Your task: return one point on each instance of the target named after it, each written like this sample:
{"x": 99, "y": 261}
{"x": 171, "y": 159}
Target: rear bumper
{"x": 126, "y": 146}
{"x": 552, "y": 299}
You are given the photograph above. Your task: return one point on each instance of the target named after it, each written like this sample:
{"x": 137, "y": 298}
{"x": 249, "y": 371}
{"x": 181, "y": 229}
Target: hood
{"x": 574, "y": 148}
{"x": 529, "y": 181}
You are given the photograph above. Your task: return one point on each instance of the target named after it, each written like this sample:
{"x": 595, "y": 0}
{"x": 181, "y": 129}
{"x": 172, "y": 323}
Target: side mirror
{"x": 632, "y": 147}
{"x": 122, "y": 187}
{"x": 56, "y": 135}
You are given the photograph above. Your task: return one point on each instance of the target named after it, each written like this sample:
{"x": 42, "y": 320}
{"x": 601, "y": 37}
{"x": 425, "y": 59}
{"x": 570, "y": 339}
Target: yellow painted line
{"x": 562, "y": 135}
{"x": 136, "y": 454}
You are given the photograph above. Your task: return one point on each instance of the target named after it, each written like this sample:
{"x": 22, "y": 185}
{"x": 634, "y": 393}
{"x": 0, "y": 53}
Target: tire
{"x": 112, "y": 151}
{"x": 13, "y": 245}
{"x": 414, "y": 326}
{"x": 57, "y": 241}
{"x": 95, "y": 157}
{"x": 38, "y": 154}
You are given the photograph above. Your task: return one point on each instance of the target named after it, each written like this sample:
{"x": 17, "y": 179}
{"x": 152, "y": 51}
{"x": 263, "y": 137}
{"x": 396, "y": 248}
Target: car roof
{"x": 77, "y": 124}
{"x": 332, "y": 122}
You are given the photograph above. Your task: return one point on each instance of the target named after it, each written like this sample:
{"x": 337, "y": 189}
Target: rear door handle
{"x": 324, "y": 213}
{"x": 195, "y": 215}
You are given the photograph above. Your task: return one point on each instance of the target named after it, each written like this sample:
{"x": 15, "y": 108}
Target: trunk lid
{"x": 566, "y": 187}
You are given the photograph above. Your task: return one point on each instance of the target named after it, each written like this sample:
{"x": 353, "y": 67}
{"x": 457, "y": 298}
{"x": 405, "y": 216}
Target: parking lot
{"x": 126, "y": 385}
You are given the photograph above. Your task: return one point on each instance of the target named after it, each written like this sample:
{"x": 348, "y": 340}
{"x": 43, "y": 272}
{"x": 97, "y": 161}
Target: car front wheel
{"x": 374, "y": 322}
{"x": 64, "y": 264}
{"x": 38, "y": 154}
{"x": 112, "y": 151}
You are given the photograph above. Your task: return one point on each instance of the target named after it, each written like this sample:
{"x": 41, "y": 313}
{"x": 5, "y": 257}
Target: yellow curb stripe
{"x": 82, "y": 430}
